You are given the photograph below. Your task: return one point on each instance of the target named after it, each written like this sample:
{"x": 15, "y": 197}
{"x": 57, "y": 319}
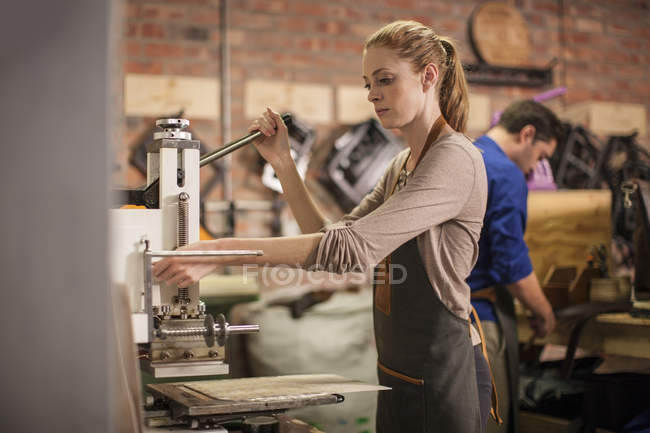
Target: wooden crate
{"x": 564, "y": 225}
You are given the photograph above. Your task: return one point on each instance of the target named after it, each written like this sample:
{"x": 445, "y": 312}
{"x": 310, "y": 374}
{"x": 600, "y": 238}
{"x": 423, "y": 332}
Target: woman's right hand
{"x": 274, "y": 144}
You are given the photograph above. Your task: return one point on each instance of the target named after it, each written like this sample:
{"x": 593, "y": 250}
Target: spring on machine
{"x": 182, "y": 237}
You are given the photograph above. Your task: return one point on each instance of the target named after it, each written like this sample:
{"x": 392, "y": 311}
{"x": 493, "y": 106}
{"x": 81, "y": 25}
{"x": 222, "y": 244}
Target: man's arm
{"x": 530, "y": 294}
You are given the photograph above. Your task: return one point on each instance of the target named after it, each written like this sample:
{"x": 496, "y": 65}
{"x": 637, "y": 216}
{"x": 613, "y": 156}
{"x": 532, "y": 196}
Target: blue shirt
{"x": 503, "y": 254}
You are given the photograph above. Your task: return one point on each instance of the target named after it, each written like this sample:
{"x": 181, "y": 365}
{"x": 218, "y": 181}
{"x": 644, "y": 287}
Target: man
{"x": 526, "y": 133}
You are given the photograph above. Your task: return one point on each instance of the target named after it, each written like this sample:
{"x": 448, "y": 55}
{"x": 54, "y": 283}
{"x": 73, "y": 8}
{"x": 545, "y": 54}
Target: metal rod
{"x": 205, "y": 253}
{"x": 225, "y": 95}
{"x": 148, "y": 289}
{"x": 199, "y": 331}
{"x": 242, "y": 329}
{"x": 228, "y": 148}
{"x": 234, "y": 145}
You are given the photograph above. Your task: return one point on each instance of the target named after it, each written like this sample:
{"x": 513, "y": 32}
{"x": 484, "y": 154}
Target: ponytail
{"x": 454, "y": 101}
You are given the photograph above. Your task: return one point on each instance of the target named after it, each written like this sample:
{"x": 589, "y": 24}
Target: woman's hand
{"x": 274, "y": 146}
{"x": 184, "y": 271}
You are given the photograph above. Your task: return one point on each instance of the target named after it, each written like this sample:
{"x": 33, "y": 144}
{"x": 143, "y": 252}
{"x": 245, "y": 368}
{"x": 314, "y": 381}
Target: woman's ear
{"x": 430, "y": 76}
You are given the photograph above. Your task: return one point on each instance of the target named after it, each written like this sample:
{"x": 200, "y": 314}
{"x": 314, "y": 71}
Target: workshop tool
{"x": 175, "y": 334}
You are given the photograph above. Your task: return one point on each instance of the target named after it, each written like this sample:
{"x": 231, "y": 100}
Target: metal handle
{"x": 234, "y": 145}
{"x": 205, "y": 253}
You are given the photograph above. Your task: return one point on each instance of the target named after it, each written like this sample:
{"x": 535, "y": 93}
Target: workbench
{"x": 610, "y": 333}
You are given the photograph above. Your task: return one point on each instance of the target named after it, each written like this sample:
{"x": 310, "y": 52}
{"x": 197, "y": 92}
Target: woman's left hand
{"x": 184, "y": 271}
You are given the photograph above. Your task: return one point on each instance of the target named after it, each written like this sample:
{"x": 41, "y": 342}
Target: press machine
{"x": 176, "y": 336}
{"x": 174, "y": 333}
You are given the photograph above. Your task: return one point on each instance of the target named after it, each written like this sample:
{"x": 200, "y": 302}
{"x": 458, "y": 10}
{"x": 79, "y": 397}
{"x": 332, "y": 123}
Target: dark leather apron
{"x": 425, "y": 350}
{"x": 425, "y": 356}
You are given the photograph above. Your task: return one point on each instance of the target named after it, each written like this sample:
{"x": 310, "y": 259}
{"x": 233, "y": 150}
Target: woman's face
{"x": 397, "y": 92}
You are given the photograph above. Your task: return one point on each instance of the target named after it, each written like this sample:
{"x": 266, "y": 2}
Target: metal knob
{"x": 172, "y": 129}
{"x": 172, "y": 123}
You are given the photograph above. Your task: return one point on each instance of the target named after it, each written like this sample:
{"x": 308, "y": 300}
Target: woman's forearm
{"x": 291, "y": 251}
{"x": 307, "y": 214}
{"x": 185, "y": 271}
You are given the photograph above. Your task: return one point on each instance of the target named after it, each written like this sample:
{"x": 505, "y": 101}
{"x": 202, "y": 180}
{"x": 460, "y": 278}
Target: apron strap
{"x": 494, "y": 410}
{"x": 383, "y": 290}
{"x": 487, "y": 294}
{"x": 434, "y": 133}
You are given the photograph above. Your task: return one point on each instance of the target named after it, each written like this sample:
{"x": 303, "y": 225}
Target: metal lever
{"x": 149, "y": 196}
{"x": 234, "y": 145}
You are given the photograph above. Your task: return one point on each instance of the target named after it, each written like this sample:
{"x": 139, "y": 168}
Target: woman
{"x": 421, "y": 224}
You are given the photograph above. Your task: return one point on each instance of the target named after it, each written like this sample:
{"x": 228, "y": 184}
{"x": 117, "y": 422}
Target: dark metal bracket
{"x": 582, "y": 314}
{"x": 490, "y": 75}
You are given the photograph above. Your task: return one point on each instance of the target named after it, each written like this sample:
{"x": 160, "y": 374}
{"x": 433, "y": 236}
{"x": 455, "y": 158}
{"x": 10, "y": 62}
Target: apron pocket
{"x": 402, "y": 408}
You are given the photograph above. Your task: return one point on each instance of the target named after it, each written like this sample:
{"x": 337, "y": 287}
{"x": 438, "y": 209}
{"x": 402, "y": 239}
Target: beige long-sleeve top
{"x": 442, "y": 205}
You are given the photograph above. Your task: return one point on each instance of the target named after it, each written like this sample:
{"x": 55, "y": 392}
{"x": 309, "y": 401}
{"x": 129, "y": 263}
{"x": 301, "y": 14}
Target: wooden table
{"x": 612, "y": 333}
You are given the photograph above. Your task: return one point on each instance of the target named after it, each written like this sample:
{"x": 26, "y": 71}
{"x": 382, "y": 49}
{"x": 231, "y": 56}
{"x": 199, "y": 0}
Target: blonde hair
{"x": 420, "y": 45}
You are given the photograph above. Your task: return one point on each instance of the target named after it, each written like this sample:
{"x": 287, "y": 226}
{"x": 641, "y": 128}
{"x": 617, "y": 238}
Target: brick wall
{"x": 602, "y": 47}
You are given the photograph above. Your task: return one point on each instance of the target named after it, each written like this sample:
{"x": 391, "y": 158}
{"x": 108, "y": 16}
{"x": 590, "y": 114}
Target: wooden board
{"x": 313, "y": 102}
{"x": 160, "y": 95}
{"x": 563, "y": 225}
{"x": 608, "y": 118}
{"x": 499, "y": 34}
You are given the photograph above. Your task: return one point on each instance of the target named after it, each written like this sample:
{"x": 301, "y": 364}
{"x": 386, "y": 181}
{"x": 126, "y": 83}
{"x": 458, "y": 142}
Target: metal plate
{"x": 213, "y": 397}
{"x": 189, "y": 368}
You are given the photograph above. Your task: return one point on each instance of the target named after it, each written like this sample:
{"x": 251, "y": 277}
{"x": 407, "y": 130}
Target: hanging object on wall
{"x": 500, "y": 39}
{"x": 499, "y": 35}
{"x": 357, "y": 161}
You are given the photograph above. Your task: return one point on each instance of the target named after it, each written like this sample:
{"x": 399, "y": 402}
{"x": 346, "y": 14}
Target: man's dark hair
{"x": 528, "y": 112}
